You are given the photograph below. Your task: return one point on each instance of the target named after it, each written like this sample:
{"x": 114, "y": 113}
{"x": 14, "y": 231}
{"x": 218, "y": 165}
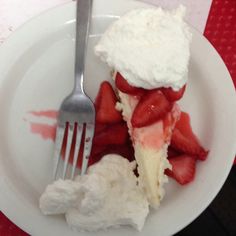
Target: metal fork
{"x": 77, "y": 112}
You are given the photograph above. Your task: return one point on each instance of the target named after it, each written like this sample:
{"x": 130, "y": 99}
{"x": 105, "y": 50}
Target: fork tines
{"x": 72, "y": 148}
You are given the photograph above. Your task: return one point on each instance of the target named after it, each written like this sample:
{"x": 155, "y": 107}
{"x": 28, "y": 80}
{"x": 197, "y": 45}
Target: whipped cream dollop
{"x": 149, "y": 47}
{"x": 108, "y": 195}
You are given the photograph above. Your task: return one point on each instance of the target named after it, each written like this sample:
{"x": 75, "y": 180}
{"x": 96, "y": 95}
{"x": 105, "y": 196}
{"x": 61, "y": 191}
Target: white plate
{"x": 36, "y": 72}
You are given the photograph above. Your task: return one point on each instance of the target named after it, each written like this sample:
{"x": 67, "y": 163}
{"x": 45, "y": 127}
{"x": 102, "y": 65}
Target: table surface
{"x": 220, "y": 217}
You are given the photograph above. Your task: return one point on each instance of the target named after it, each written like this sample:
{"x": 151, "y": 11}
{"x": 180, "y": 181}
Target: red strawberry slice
{"x": 113, "y": 134}
{"x": 152, "y": 107}
{"x": 105, "y": 105}
{"x": 184, "y": 140}
{"x": 184, "y": 125}
{"x": 126, "y": 150}
{"x": 96, "y": 154}
{"x": 99, "y": 127}
{"x": 172, "y": 152}
{"x": 172, "y": 95}
{"x": 185, "y": 145}
{"x": 183, "y": 169}
{"x": 125, "y": 87}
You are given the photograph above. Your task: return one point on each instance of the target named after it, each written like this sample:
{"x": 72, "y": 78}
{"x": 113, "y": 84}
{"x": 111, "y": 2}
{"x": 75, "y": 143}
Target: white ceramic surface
{"x": 13, "y": 13}
{"x": 36, "y": 72}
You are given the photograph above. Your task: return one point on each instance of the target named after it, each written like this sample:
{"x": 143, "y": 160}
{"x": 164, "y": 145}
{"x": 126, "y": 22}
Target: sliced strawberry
{"x": 184, "y": 140}
{"x": 126, "y": 150}
{"x": 172, "y": 152}
{"x": 96, "y": 154}
{"x": 125, "y": 87}
{"x": 113, "y": 134}
{"x": 184, "y": 125}
{"x": 105, "y": 105}
{"x": 172, "y": 95}
{"x": 99, "y": 127}
{"x": 189, "y": 146}
{"x": 183, "y": 169}
{"x": 152, "y": 106}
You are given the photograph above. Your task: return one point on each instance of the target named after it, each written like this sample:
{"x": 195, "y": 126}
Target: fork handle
{"x": 83, "y": 16}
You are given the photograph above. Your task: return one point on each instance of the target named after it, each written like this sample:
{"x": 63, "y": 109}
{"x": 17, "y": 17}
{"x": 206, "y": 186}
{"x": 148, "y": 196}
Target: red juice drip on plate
{"x": 46, "y": 113}
{"x": 44, "y": 130}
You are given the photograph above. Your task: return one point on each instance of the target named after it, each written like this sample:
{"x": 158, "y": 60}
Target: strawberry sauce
{"x": 46, "y": 131}
{"x": 47, "y": 113}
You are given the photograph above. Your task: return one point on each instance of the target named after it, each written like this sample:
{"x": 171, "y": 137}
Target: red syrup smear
{"x": 44, "y": 130}
{"x": 47, "y": 113}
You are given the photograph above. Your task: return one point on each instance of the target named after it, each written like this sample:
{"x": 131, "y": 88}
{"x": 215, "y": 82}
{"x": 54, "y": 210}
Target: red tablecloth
{"x": 221, "y": 32}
